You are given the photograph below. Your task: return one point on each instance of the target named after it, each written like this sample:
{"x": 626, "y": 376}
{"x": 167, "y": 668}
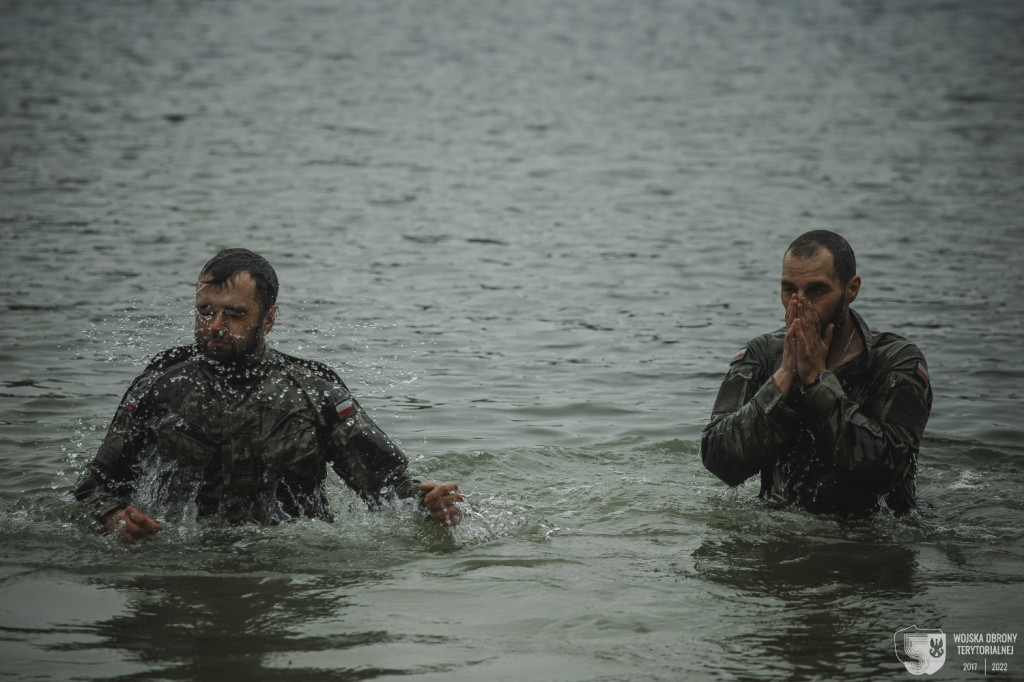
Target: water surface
{"x": 530, "y": 236}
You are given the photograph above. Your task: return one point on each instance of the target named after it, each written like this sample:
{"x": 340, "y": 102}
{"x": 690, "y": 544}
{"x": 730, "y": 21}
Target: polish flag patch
{"x": 739, "y": 356}
{"x": 129, "y": 405}
{"x": 922, "y": 372}
{"x": 345, "y": 409}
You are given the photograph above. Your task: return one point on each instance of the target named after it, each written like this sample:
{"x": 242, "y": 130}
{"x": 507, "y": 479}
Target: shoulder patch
{"x": 345, "y": 409}
{"x": 739, "y": 356}
{"x": 922, "y": 372}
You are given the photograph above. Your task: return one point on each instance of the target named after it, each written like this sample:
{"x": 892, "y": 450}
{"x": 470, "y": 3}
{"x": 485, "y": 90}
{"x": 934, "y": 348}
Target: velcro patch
{"x": 922, "y": 372}
{"x": 345, "y": 409}
{"x": 739, "y": 356}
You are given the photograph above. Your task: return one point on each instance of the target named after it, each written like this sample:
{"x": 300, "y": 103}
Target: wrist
{"x": 817, "y": 379}
{"x": 784, "y": 376}
{"x": 111, "y": 519}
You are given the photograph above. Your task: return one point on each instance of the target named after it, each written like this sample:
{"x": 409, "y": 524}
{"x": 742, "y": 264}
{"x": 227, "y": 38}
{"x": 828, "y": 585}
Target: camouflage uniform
{"x": 840, "y": 445}
{"x": 248, "y": 445}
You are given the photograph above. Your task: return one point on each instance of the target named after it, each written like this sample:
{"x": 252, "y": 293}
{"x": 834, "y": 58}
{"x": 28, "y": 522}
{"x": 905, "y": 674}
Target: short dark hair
{"x": 229, "y": 263}
{"x": 843, "y": 260}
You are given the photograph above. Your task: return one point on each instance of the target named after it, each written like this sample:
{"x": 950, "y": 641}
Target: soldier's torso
{"x": 807, "y": 473}
{"x": 246, "y": 447}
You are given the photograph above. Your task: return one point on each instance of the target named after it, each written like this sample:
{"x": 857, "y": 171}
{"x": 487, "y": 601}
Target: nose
{"x": 216, "y": 321}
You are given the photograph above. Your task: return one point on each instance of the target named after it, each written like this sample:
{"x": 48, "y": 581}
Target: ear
{"x": 852, "y": 289}
{"x": 269, "y": 319}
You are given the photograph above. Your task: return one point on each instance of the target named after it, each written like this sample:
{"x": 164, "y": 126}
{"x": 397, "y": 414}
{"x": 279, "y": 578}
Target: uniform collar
{"x": 861, "y": 362}
{"x": 865, "y": 332}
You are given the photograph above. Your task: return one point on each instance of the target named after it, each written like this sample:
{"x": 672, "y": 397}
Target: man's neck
{"x": 845, "y": 346}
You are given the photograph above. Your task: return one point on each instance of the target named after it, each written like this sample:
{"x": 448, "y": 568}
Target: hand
{"x": 786, "y": 374}
{"x": 811, "y": 345}
{"x": 441, "y": 501}
{"x": 131, "y": 525}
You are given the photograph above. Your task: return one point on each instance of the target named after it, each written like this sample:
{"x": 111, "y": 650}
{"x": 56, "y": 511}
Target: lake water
{"x": 530, "y": 235}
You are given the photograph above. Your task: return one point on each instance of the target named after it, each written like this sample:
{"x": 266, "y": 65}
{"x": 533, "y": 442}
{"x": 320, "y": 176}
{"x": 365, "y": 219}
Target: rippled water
{"x": 529, "y": 235}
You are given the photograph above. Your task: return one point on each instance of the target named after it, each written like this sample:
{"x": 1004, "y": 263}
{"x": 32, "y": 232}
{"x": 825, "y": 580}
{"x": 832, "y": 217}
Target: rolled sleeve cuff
{"x": 771, "y": 402}
{"x": 103, "y": 510}
{"x": 824, "y": 393}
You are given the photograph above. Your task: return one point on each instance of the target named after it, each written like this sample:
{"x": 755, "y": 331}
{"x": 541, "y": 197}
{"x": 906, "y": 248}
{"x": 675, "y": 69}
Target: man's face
{"x": 815, "y": 279}
{"x": 229, "y": 327}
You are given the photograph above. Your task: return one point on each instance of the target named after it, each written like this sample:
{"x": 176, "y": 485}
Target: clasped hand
{"x": 805, "y": 352}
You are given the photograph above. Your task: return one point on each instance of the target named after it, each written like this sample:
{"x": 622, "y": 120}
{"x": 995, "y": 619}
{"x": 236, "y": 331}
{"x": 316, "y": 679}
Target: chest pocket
{"x": 290, "y": 447}
{"x": 182, "y": 441}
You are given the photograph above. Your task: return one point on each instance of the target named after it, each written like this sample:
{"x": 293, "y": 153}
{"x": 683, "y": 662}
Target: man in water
{"x": 243, "y": 431}
{"x": 828, "y": 412}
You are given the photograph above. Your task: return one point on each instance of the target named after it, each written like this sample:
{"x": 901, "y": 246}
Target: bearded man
{"x": 828, "y": 412}
{"x": 239, "y": 430}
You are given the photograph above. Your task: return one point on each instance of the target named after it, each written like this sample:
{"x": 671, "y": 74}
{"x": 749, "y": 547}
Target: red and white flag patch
{"x": 345, "y": 409}
{"x": 922, "y": 372}
{"x": 739, "y": 356}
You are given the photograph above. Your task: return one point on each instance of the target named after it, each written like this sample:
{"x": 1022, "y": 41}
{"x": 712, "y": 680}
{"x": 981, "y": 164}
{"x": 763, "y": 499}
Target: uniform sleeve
{"x": 107, "y": 482}
{"x": 882, "y": 448}
{"x": 750, "y": 421}
{"x": 361, "y": 454}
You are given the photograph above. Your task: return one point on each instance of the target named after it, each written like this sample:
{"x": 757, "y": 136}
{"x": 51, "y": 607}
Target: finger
{"x": 802, "y": 345}
{"x": 441, "y": 491}
{"x": 811, "y": 315}
{"x": 829, "y": 331}
{"x": 136, "y": 525}
{"x": 127, "y": 530}
{"x": 142, "y": 522}
{"x": 442, "y": 502}
{"x": 430, "y": 492}
{"x": 449, "y": 516}
{"x": 789, "y": 350}
{"x": 133, "y": 531}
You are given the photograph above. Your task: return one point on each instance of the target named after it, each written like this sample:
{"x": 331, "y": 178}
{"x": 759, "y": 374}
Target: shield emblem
{"x": 922, "y": 651}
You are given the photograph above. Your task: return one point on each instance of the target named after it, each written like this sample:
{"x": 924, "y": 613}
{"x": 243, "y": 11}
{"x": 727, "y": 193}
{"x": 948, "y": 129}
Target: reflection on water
{"x": 819, "y": 586}
{"x": 203, "y": 626}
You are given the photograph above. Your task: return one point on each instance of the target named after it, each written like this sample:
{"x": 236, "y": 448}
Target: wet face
{"x": 816, "y": 280}
{"x": 229, "y": 326}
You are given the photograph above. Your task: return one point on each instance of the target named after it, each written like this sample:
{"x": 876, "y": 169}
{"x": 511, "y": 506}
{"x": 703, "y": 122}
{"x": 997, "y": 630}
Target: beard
{"x": 837, "y": 319}
{"x": 238, "y": 351}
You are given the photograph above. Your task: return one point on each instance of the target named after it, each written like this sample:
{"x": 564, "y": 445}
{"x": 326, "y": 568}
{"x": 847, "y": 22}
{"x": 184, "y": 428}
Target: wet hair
{"x": 843, "y": 260}
{"x": 230, "y": 263}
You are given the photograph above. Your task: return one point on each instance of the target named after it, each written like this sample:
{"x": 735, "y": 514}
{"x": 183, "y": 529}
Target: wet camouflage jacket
{"x": 841, "y": 445}
{"x": 248, "y": 446}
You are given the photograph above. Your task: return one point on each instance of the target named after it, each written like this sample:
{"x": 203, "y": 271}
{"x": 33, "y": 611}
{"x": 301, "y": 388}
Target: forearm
{"x": 370, "y": 462}
{"x": 879, "y": 448}
{"x": 93, "y": 492}
{"x": 736, "y": 444}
